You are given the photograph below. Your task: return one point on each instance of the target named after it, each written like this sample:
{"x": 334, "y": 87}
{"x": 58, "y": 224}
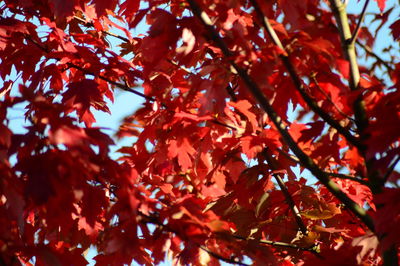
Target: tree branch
{"x": 369, "y": 51}
{"x": 154, "y": 220}
{"x": 391, "y": 168}
{"x": 352, "y": 178}
{"x": 313, "y": 77}
{"x": 298, "y": 82}
{"x": 114, "y": 83}
{"x": 90, "y": 24}
{"x": 305, "y": 160}
{"x": 119, "y": 85}
{"x": 360, "y": 20}
{"x": 339, "y": 11}
{"x": 296, "y": 213}
{"x": 222, "y": 258}
{"x": 311, "y": 249}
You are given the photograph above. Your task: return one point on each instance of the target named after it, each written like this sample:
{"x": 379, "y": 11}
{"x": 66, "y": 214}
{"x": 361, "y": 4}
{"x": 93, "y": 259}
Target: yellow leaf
{"x": 316, "y": 214}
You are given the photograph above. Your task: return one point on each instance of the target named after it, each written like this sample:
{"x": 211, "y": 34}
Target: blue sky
{"x": 126, "y": 103}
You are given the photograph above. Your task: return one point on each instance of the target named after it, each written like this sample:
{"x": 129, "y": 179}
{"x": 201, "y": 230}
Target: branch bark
{"x": 376, "y": 182}
{"x": 154, "y": 220}
{"x": 305, "y": 160}
{"x": 312, "y": 249}
{"x": 339, "y": 11}
{"x": 298, "y": 82}
{"x": 360, "y": 20}
{"x": 352, "y": 178}
{"x": 296, "y": 213}
{"x": 369, "y": 51}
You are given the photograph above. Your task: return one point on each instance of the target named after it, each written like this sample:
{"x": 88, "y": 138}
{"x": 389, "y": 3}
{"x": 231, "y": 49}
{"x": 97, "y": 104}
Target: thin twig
{"x": 369, "y": 51}
{"x": 154, "y": 220}
{"x": 114, "y": 83}
{"x": 337, "y": 175}
{"x": 126, "y": 88}
{"x": 360, "y": 20}
{"x": 390, "y": 169}
{"x": 305, "y": 160}
{"x": 348, "y": 177}
{"x": 296, "y": 213}
{"x": 311, "y": 249}
{"x": 298, "y": 82}
{"x": 329, "y": 98}
{"x": 291, "y": 157}
{"x": 360, "y": 115}
{"x": 222, "y": 258}
{"x": 119, "y": 85}
{"x": 90, "y": 24}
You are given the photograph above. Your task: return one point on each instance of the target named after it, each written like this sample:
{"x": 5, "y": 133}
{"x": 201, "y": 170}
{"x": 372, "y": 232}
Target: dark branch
{"x": 296, "y": 213}
{"x": 390, "y": 170}
{"x": 369, "y": 51}
{"x": 305, "y": 160}
{"x": 311, "y": 249}
{"x": 119, "y": 85}
{"x": 329, "y": 98}
{"x": 114, "y": 83}
{"x": 222, "y": 258}
{"x": 298, "y": 82}
{"x": 352, "y": 178}
{"x": 360, "y": 20}
{"x": 154, "y": 220}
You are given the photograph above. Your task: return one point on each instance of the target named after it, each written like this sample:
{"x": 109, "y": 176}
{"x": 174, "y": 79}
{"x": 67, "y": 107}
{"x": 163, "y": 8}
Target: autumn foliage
{"x": 269, "y": 133}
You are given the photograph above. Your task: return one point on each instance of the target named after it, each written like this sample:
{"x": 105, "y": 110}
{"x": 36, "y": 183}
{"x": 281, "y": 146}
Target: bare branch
{"x": 154, "y": 220}
{"x": 305, "y": 160}
{"x": 296, "y": 213}
{"x": 120, "y": 85}
{"x": 329, "y": 98}
{"x": 222, "y": 258}
{"x": 299, "y": 84}
{"x": 390, "y": 169}
{"x": 339, "y": 11}
{"x": 360, "y": 20}
{"x": 352, "y": 178}
{"x": 369, "y": 51}
{"x": 312, "y": 249}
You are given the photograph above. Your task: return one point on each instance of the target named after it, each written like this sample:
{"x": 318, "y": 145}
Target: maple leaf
{"x": 224, "y": 84}
{"x": 82, "y": 95}
{"x": 183, "y": 150}
{"x": 396, "y": 29}
{"x": 244, "y": 106}
{"x": 62, "y": 8}
{"x": 381, "y": 4}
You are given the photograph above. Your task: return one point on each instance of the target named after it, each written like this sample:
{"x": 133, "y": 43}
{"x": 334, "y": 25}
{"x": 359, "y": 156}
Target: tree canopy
{"x": 269, "y": 133}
